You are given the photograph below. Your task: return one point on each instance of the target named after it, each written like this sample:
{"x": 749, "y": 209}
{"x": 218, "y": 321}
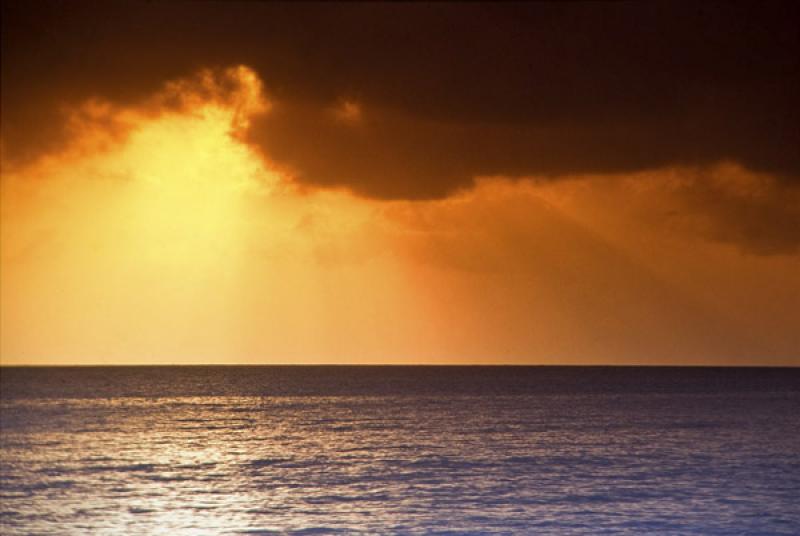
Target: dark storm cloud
{"x": 447, "y": 91}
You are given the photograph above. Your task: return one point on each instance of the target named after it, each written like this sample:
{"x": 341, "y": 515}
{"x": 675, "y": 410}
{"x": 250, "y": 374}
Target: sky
{"x": 565, "y": 183}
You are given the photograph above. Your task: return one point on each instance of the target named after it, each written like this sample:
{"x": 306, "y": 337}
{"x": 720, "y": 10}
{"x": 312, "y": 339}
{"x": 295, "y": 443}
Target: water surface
{"x": 405, "y": 450}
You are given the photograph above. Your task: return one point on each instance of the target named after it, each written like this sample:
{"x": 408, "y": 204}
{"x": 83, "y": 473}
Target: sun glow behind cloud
{"x": 172, "y": 242}
{"x": 160, "y": 236}
{"x": 126, "y": 240}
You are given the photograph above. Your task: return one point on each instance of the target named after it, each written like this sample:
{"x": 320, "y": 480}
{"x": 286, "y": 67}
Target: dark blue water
{"x": 399, "y": 450}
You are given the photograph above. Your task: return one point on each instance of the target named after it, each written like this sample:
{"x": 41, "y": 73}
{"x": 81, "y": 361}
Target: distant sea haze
{"x": 399, "y": 450}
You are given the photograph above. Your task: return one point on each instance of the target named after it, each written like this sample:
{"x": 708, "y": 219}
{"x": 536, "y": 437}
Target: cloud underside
{"x": 386, "y": 154}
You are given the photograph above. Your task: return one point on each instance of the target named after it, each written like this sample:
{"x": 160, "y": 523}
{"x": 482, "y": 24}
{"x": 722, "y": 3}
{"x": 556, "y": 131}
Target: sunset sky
{"x": 400, "y": 183}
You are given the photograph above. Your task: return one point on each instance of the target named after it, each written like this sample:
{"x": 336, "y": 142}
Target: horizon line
{"x": 408, "y": 365}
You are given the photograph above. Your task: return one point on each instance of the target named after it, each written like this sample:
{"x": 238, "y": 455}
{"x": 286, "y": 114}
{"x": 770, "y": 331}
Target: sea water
{"x": 399, "y": 450}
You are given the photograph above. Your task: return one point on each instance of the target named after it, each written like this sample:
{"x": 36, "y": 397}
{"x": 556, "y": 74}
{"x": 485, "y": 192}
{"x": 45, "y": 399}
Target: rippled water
{"x": 316, "y": 450}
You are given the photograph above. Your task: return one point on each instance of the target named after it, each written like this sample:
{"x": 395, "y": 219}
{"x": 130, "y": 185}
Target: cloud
{"x": 100, "y": 123}
{"x": 393, "y": 155}
{"x": 724, "y": 203}
{"x": 447, "y": 92}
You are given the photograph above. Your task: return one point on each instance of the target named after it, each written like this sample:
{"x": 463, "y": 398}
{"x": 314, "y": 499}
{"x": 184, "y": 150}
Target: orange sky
{"x": 158, "y": 234}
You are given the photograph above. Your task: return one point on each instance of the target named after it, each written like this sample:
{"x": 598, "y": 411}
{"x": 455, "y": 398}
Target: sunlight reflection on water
{"x": 572, "y": 463}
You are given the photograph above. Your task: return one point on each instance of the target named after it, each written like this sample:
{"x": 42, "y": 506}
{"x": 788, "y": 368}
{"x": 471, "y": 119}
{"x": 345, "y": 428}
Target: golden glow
{"x": 176, "y": 244}
{"x": 159, "y": 236}
{"x": 143, "y": 238}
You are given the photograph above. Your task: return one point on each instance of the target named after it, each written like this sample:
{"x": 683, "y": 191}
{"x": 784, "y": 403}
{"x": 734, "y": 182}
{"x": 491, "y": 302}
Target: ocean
{"x": 399, "y": 450}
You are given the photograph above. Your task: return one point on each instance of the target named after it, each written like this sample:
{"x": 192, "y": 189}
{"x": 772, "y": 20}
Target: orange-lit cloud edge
{"x": 158, "y": 235}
